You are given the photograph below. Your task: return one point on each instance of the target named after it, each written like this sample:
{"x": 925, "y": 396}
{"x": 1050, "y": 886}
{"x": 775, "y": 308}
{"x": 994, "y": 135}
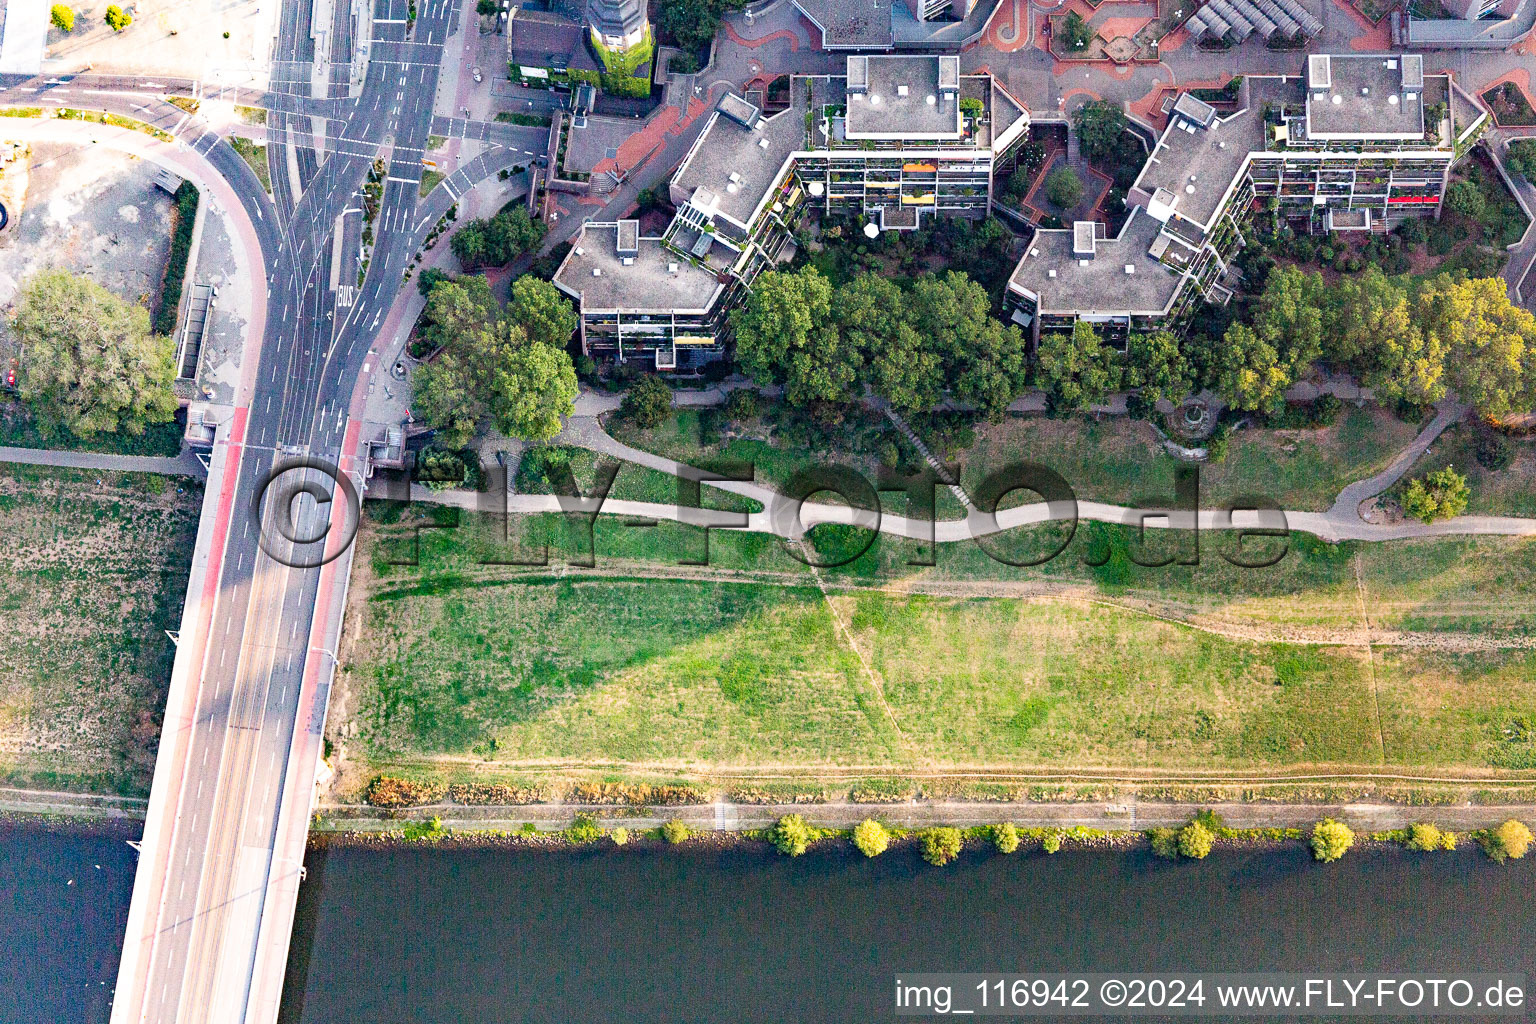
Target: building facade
{"x": 1359, "y": 142}
{"x": 898, "y": 139}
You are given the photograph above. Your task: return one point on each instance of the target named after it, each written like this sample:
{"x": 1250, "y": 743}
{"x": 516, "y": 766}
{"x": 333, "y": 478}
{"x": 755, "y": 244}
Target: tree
{"x": 1165, "y": 842}
{"x": 534, "y": 388}
{"x": 1509, "y": 841}
{"x": 1099, "y": 125}
{"x": 430, "y": 278}
{"x": 940, "y": 845}
{"x": 871, "y": 837}
{"x": 1005, "y": 837}
{"x": 674, "y": 831}
{"x": 1289, "y": 315}
{"x": 648, "y": 404}
{"x": 62, "y": 17}
{"x": 1331, "y": 840}
{"x": 1489, "y": 343}
{"x": 1195, "y": 841}
{"x": 1063, "y": 188}
{"x": 455, "y": 307}
{"x": 524, "y": 387}
{"x": 545, "y": 315}
{"x": 1465, "y": 198}
{"x": 91, "y": 364}
{"x": 693, "y": 23}
{"x": 985, "y": 362}
{"x": 1441, "y": 494}
{"x": 485, "y": 8}
{"x": 1249, "y": 373}
{"x": 903, "y": 364}
{"x": 116, "y": 19}
{"x": 1423, "y": 837}
{"x": 791, "y": 835}
{"x": 498, "y": 241}
{"x": 1075, "y": 33}
{"x": 1371, "y": 327}
{"x": 1155, "y": 366}
{"x": 785, "y": 333}
{"x": 1076, "y": 370}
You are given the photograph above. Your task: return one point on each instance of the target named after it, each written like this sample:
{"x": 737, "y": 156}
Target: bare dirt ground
{"x": 90, "y": 211}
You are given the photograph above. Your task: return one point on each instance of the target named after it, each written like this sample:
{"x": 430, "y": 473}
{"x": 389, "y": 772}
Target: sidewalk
{"x": 185, "y": 464}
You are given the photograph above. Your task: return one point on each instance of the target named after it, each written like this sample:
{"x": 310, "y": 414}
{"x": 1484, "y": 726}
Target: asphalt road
{"x": 222, "y": 803}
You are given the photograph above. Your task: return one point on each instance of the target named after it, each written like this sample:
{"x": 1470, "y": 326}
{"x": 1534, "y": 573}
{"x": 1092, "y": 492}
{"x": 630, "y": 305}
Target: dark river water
{"x": 422, "y": 935}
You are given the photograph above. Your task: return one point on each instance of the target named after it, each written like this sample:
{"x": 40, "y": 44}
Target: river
{"x": 425, "y": 935}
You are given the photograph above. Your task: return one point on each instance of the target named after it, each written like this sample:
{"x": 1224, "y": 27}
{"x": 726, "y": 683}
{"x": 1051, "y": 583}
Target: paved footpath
{"x": 185, "y": 464}
{"x": 1122, "y": 814}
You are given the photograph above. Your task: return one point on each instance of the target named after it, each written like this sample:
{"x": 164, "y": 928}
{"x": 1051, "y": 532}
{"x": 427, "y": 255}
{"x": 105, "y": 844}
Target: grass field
{"x": 1116, "y": 460}
{"x": 93, "y": 574}
{"x": 1510, "y": 491}
{"x": 751, "y": 662}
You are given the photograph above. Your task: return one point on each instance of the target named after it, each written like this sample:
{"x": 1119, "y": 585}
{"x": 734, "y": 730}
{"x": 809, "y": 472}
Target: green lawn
{"x": 746, "y": 664}
{"x": 1510, "y": 491}
{"x": 94, "y": 571}
{"x": 255, "y": 156}
{"x": 633, "y": 483}
{"x": 1116, "y": 460}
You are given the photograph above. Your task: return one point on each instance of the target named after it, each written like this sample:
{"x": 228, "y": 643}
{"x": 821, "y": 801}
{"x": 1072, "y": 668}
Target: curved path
{"x": 788, "y": 519}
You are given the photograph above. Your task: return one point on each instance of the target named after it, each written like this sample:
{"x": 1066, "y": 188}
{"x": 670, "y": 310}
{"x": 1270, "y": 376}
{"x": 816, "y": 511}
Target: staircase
{"x": 938, "y": 467}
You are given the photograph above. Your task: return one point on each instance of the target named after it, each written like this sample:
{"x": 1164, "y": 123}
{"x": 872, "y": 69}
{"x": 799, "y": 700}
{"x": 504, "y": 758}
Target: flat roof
{"x": 1366, "y": 96}
{"x": 1195, "y": 165}
{"x": 738, "y": 164}
{"x": 908, "y": 97}
{"x": 648, "y": 284}
{"x": 1100, "y": 286}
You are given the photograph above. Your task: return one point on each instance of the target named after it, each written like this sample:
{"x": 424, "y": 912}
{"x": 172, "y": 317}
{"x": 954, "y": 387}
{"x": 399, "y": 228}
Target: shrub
{"x": 1493, "y": 451}
{"x": 1509, "y": 841}
{"x": 1165, "y": 842}
{"x": 871, "y": 837}
{"x": 1447, "y": 840}
{"x": 648, "y": 404}
{"x": 791, "y": 835}
{"x": 62, "y": 17}
{"x": 1412, "y": 231}
{"x": 1005, "y": 837}
{"x": 585, "y": 829}
{"x": 620, "y": 836}
{"x": 1051, "y": 842}
{"x": 187, "y": 198}
{"x": 1465, "y": 198}
{"x": 1195, "y": 840}
{"x": 674, "y": 831}
{"x": 941, "y": 845}
{"x": 428, "y": 831}
{"x": 1441, "y": 494}
{"x": 1331, "y": 840}
{"x": 389, "y": 791}
{"x": 116, "y": 19}
{"x": 742, "y": 404}
{"x": 1423, "y": 837}
{"x": 1063, "y": 188}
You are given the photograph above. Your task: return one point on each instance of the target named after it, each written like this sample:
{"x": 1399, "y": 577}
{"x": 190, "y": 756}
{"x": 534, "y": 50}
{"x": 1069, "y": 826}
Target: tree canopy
{"x": 497, "y": 241}
{"x": 1076, "y": 370}
{"x": 91, "y": 364}
{"x": 1099, "y": 125}
{"x": 507, "y": 366}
